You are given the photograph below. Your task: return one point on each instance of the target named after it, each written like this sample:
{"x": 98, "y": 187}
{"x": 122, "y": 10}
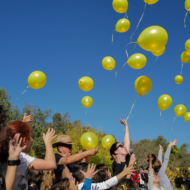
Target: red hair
{"x": 24, "y": 129}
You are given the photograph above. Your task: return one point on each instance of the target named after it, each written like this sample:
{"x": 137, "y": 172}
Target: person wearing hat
{"x": 120, "y": 153}
{"x": 64, "y": 156}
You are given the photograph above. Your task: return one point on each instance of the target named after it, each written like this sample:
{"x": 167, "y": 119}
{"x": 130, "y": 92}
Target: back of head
{"x": 156, "y": 165}
{"x": 35, "y": 177}
{"x": 58, "y": 172}
{"x": 62, "y": 185}
{"x": 101, "y": 175}
{"x": 76, "y": 171}
{"x": 24, "y": 129}
{"x": 125, "y": 184}
{"x": 47, "y": 181}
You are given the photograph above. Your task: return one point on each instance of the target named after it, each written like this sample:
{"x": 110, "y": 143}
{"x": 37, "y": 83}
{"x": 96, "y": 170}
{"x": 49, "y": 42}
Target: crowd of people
{"x": 64, "y": 171}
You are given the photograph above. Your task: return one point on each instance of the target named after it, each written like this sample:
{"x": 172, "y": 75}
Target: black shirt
{"x": 118, "y": 168}
{"x": 70, "y": 166}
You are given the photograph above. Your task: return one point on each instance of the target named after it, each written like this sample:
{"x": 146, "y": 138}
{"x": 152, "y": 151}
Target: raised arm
{"x": 14, "y": 151}
{"x": 150, "y": 174}
{"x": 166, "y": 157}
{"x": 49, "y": 162}
{"x": 160, "y": 153}
{"x": 78, "y": 156}
{"x": 126, "y": 137}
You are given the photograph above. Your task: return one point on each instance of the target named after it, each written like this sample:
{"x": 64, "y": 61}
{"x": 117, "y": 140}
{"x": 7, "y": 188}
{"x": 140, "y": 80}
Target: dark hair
{"x": 58, "y": 172}
{"x": 154, "y": 158}
{"x": 101, "y": 175}
{"x": 3, "y": 116}
{"x": 156, "y": 166}
{"x": 35, "y": 177}
{"x": 76, "y": 171}
{"x": 113, "y": 149}
{"x": 62, "y": 185}
{"x": 125, "y": 184}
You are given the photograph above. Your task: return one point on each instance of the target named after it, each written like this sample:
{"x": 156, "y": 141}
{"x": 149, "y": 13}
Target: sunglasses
{"x": 120, "y": 146}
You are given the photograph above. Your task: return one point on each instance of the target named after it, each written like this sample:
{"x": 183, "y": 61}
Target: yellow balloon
{"x": 36, "y": 80}
{"x": 178, "y": 79}
{"x": 86, "y": 83}
{"x": 185, "y": 57}
{"x": 143, "y": 85}
{"x": 153, "y": 38}
{"x": 87, "y": 101}
{"x": 89, "y": 140}
{"x": 187, "y": 5}
{"x": 164, "y": 102}
{"x": 187, "y": 45}
{"x": 108, "y": 63}
{"x": 187, "y": 117}
{"x": 150, "y": 2}
{"x": 159, "y": 52}
{"x": 122, "y": 25}
{"x": 108, "y": 141}
{"x": 120, "y": 6}
{"x": 180, "y": 110}
{"x": 137, "y": 61}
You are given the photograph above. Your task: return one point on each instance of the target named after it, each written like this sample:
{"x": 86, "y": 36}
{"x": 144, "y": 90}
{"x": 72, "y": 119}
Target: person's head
{"x": 86, "y": 159}
{"x": 154, "y": 158}
{"x": 77, "y": 171}
{"x": 156, "y": 165}
{"x": 125, "y": 184}
{"x": 64, "y": 145}
{"x": 3, "y": 118}
{"x": 156, "y": 179}
{"x": 118, "y": 149}
{"x": 47, "y": 181}
{"x": 25, "y": 131}
{"x": 102, "y": 175}
{"x": 62, "y": 185}
{"x": 62, "y": 172}
{"x": 35, "y": 177}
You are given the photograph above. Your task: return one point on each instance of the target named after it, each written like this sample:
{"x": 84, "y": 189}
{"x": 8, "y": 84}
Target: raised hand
{"x": 116, "y": 160}
{"x": 93, "y": 151}
{"x": 128, "y": 170}
{"x": 173, "y": 143}
{"x": 123, "y": 122}
{"x": 28, "y": 118}
{"x": 15, "y": 147}
{"x": 73, "y": 186}
{"x": 161, "y": 148}
{"x": 49, "y": 136}
{"x": 90, "y": 171}
{"x": 132, "y": 159}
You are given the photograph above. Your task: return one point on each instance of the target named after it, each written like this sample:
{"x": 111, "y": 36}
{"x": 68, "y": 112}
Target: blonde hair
{"x": 47, "y": 181}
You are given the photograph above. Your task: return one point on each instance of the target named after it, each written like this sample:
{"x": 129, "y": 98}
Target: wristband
{"x": 13, "y": 162}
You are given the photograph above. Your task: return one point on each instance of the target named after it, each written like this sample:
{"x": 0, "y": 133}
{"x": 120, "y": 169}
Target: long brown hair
{"x": 24, "y": 129}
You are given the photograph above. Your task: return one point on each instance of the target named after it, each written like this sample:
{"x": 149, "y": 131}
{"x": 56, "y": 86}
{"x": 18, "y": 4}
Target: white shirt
{"x": 21, "y": 180}
{"x": 103, "y": 185}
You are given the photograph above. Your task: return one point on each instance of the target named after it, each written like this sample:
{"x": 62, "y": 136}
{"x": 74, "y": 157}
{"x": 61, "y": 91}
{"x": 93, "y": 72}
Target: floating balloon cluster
{"x": 86, "y": 84}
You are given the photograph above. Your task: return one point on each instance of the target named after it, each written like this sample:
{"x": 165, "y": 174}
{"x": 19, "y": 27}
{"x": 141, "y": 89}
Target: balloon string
{"x": 132, "y": 108}
{"x": 112, "y": 37}
{"x": 126, "y": 16}
{"x": 119, "y": 70}
{"x": 173, "y": 122}
{"x": 185, "y": 18}
{"x": 156, "y": 58}
{"x": 127, "y": 45}
{"x": 181, "y": 68}
{"x": 22, "y": 93}
{"x": 161, "y": 116}
{"x": 138, "y": 23}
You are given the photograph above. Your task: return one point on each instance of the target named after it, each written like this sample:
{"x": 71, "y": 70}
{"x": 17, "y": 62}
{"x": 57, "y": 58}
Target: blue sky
{"x": 68, "y": 40}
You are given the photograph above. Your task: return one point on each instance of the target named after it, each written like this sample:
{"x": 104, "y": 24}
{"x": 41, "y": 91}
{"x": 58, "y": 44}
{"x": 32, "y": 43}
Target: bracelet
{"x": 13, "y": 162}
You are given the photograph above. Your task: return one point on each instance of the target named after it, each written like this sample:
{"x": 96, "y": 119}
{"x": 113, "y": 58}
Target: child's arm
{"x": 150, "y": 174}
{"x": 160, "y": 153}
{"x": 88, "y": 176}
